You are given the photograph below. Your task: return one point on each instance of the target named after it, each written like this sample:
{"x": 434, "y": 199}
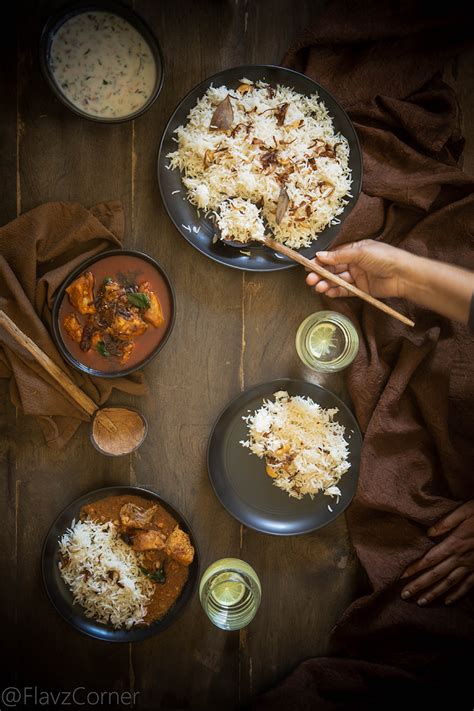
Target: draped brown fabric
{"x": 412, "y": 389}
{"x": 37, "y": 252}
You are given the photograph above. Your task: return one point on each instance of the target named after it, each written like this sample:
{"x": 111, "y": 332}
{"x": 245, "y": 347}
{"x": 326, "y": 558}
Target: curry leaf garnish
{"x": 139, "y": 299}
{"x": 102, "y": 348}
{"x": 158, "y": 576}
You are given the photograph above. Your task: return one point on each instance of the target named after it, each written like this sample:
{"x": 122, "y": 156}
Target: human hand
{"x": 447, "y": 567}
{"x": 377, "y": 268}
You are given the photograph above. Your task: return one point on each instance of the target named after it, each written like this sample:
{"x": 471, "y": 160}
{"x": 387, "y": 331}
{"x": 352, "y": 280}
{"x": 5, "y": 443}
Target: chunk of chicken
{"x": 178, "y": 546}
{"x": 132, "y": 516}
{"x": 81, "y": 293}
{"x": 154, "y": 313}
{"x": 154, "y": 559}
{"x": 145, "y": 537}
{"x": 111, "y": 291}
{"x": 125, "y": 327}
{"x": 110, "y": 297}
{"x": 149, "y": 541}
{"x": 127, "y": 349}
{"x": 72, "y": 327}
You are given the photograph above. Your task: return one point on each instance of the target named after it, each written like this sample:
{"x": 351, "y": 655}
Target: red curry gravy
{"x": 176, "y": 574}
{"x": 135, "y": 270}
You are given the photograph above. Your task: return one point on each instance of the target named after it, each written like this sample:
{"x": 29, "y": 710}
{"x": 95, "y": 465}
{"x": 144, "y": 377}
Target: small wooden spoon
{"x": 68, "y": 386}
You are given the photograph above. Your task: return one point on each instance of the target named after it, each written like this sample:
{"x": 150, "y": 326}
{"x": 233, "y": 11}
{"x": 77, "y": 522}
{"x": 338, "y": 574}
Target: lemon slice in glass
{"x": 322, "y": 339}
{"x": 226, "y": 590}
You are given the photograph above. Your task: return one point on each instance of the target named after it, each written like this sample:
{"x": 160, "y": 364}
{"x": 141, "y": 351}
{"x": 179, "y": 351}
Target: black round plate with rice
{"x": 239, "y": 477}
{"x": 60, "y": 595}
{"x": 185, "y": 215}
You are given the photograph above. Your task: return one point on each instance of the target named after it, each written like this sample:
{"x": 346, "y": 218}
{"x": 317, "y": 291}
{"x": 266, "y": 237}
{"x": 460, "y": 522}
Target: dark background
{"x": 233, "y": 330}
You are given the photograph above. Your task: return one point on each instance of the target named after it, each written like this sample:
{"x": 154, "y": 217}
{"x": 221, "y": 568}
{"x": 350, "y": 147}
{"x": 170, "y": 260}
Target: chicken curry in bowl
{"x": 114, "y": 313}
{"x": 115, "y": 564}
{"x": 126, "y": 560}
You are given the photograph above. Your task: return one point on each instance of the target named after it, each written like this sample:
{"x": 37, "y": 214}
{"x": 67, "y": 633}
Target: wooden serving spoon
{"x": 68, "y": 386}
{"x": 314, "y": 267}
{"x": 74, "y": 392}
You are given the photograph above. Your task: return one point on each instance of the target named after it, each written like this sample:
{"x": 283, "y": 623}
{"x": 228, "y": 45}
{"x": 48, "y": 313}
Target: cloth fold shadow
{"x": 37, "y": 252}
{"x": 412, "y": 389}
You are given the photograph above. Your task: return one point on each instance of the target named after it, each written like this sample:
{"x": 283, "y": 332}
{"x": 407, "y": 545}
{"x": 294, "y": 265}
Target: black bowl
{"x": 62, "y": 347}
{"x": 61, "y": 597}
{"x": 57, "y": 19}
{"x": 182, "y": 212}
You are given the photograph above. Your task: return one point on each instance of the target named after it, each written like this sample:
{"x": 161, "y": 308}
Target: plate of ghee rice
{"x": 283, "y": 457}
{"x": 255, "y": 151}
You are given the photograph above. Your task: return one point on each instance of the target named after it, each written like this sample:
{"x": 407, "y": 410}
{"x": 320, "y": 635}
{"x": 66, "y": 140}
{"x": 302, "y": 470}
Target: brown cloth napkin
{"x": 412, "y": 389}
{"x": 37, "y": 252}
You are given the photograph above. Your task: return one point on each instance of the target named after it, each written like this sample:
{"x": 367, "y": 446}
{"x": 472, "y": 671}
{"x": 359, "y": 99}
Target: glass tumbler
{"x": 327, "y": 341}
{"x": 230, "y": 593}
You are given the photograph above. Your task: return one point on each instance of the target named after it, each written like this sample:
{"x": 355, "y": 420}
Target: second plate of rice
{"x": 283, "y": 457}
{"x": 259, "y": 150}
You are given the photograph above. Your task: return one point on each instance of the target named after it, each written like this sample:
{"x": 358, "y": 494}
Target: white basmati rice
{"x": 240, "y": 220}
{"x": 103, "y": 574}
{"x": 303, "y": 446}
{"x": 237, "y": 175}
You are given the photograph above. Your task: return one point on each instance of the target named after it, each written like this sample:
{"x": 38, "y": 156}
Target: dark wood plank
{"x": 196, "y": 374}
{"x": 187, "y": 392}
{"x": 9, "y": 128}
{"x": 316, "y": 570}
{"x": 307, "y": 581}
{"x": 8, "y": 512}
{"x": 8, "y": 211}
{"x": 232, "y": 331}
{"x": 60, "y": 157}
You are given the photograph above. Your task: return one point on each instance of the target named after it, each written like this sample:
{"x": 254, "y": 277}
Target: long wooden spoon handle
{"x": 313, "y": 267}
{"x": 50, "y": 366}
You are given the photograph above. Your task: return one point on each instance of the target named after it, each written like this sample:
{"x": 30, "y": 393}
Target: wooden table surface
{"x": 233, "y": 330}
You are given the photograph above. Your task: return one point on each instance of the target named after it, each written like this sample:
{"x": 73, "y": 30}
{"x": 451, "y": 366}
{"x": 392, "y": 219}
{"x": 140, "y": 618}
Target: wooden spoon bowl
{"x": 114, "y": 430}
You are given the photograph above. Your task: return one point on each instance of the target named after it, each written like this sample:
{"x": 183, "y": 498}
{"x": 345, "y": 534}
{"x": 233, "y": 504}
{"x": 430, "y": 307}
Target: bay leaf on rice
{"x": 223, "y": 116}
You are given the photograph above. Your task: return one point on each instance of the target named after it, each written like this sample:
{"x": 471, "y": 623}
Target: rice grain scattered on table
{"x": 103, "y": 574}
{"x": 279, "y": 166}
{"x": 304, "y": 448}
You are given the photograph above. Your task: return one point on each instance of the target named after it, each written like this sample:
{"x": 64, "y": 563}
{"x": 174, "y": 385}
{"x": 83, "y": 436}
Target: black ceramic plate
{"x": 62, "y": 346}
{"x": 182, "y": 212}
{"x": 116, "y": 8}
{"x": 60, "y": 595}
{"x": 239, "y": 477}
